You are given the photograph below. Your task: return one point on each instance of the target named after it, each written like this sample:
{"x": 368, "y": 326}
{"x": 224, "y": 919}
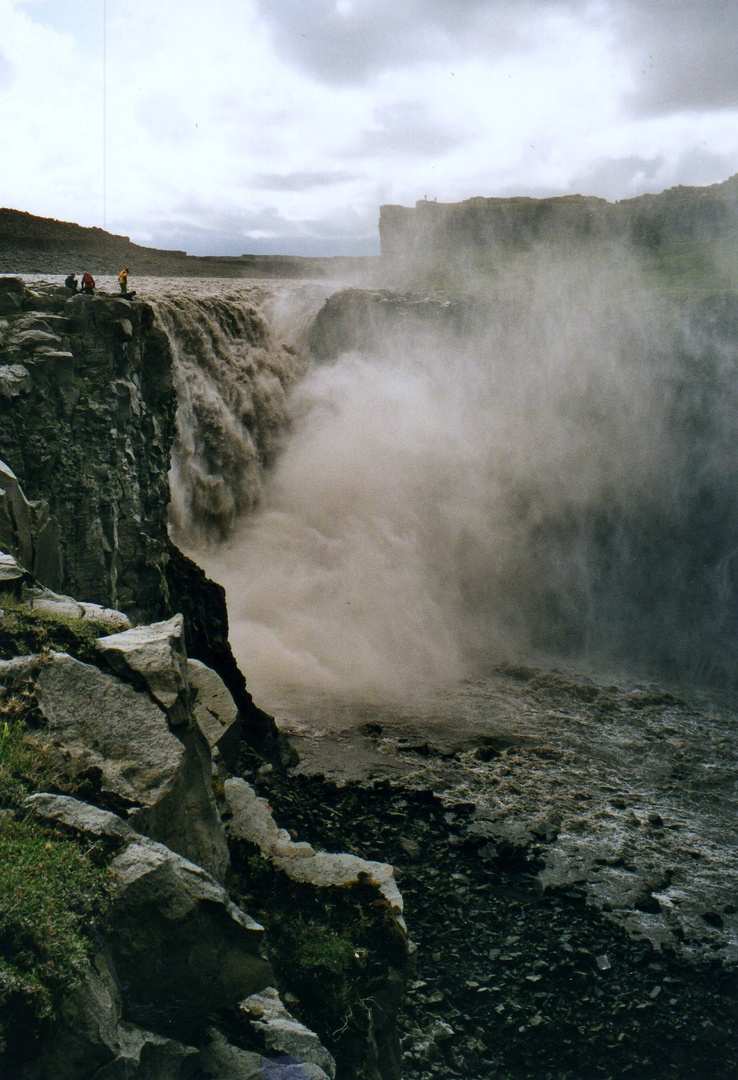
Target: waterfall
{"x": 235, "y": 358}
{"x": 546, "y": 473}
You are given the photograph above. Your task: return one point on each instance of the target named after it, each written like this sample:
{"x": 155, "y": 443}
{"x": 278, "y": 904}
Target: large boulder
{"x": 117, "y": 738}
{"x": 215, "y": 711}
{"x": 180, "y": 944}
{"x": 176, "y": 949}
{"x": 154, "y": 657}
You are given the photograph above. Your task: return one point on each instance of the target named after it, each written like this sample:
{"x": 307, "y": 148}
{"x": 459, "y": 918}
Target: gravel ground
{"x": 509, "y": 980}
{"x": 566, "y": 852}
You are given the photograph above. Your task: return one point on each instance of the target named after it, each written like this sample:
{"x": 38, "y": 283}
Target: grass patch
{"x": 52, "y": 887}
{"x": 330, "y": 947}
{"x": 25, "y": 630}
{"x": 23, "y": 768}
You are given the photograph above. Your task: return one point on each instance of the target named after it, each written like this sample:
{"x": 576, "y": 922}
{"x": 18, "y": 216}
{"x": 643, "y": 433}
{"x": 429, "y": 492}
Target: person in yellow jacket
{"x": 123, "y": 280}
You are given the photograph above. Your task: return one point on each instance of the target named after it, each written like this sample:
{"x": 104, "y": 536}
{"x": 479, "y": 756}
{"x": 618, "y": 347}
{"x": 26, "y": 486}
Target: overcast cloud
{"x": 281, "y": 125}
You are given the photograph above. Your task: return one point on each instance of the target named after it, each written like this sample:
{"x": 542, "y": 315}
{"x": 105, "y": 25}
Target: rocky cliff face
{"x": 433, "y": 231}
{"x": 87, "y": 422}
{"x": 120, "y": 750}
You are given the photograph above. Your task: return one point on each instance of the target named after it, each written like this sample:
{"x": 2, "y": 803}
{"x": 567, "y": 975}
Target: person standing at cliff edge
{"x": 88, "y": 283}
{"x": 71, "y": 282}
{"x": 123, "y": 280}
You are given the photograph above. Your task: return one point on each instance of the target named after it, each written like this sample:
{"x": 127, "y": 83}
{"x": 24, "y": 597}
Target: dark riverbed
{"x": 566, "y": 850}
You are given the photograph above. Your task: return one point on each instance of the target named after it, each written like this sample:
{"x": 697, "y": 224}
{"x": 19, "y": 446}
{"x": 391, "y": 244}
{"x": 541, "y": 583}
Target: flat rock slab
{"x": 214, "y": 709}
{"x": 251, "y": 820}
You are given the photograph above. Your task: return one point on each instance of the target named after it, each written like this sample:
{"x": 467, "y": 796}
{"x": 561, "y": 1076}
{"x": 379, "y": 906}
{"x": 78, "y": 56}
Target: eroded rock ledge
{"x": 178, "y": 981}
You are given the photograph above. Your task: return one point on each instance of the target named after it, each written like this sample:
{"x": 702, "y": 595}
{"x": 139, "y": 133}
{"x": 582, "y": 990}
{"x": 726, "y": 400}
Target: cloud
{"x": 682, "y": 54}
{"x": 409, "y": 129}
{"x": 300, "y": 181}
{"x": 318, "y": 112}
{"x": 344, "y": 41}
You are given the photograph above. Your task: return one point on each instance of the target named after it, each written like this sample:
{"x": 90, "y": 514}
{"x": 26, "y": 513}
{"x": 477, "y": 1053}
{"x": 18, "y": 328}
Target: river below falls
{"x": 565, "y": 846}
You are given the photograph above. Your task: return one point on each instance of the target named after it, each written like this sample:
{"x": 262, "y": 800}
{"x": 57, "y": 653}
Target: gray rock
{"x": 252, "y": 821}
{"x": 222, "y": 1061}
{"x": 14, "y": 380}
{"x": 177, "y": 939}
{"x": 12, "y": 576}
{"x": 56, "y": 604}
{"x": 214, "y": 709}
{"x": 47, "y": 321}
{"x": 15, "y": 518}
{"x": 156, "y": 653}
{"x": 31, "y": 340}
{"x": 124, "y": 329}
{"x": 283, "y": 1034}
{"x": 90, "y": 1036}
{"x": 102, "y": 724}
{"x": 20, "y": 667}
{"x": 80, "y": 816}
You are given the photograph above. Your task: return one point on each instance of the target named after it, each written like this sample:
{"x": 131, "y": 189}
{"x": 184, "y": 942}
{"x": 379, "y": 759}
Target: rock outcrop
{"x": 483, "y": 230}
{"x": 175, "y": 984}
{"x": 87, "y": 422}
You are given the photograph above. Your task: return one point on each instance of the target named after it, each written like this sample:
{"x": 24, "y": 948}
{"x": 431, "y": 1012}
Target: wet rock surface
{"x": 565, "y": 850}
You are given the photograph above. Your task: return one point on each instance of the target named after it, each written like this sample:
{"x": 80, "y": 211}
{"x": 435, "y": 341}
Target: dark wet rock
{"x": 11, "y": 295}
{"x": 171, "y": 917}
{"x": 572, "y": 901}
{"x": 91, "y": 1037}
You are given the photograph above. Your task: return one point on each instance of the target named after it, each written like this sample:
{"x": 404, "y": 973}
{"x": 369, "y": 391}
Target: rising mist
{"x": 541, "y": 470}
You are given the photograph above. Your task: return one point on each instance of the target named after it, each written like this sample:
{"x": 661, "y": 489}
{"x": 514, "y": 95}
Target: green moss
{"x": 330, "y": 947}
{"x": 51, "y": 888}
{"x": 24, "y": 630}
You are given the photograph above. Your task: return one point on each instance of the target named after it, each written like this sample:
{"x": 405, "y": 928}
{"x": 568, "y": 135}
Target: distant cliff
{"x": 479, "y": 227}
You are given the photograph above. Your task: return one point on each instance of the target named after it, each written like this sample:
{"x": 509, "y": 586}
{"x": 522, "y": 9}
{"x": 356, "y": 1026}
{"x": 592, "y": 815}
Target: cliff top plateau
{"x": 30, "y": 244}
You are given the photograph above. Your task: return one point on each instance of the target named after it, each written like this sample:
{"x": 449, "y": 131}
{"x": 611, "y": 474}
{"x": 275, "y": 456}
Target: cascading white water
{"x": 232, "y": 372}
{"x": 533, "y": 485}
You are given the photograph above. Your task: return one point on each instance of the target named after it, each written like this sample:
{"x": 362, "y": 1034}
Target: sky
{"x": 281, "y": 126}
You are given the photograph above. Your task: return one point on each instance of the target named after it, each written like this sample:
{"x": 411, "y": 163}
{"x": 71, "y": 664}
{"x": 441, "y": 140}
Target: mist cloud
{"x": 447, "y": 502}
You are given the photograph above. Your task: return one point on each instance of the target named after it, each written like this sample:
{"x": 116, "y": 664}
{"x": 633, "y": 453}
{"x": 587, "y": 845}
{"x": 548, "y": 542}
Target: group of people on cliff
{"x": 87, "y": 285}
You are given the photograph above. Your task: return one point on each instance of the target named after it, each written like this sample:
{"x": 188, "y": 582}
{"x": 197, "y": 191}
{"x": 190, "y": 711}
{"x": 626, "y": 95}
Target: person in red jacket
{"x": 88, "y": 283}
